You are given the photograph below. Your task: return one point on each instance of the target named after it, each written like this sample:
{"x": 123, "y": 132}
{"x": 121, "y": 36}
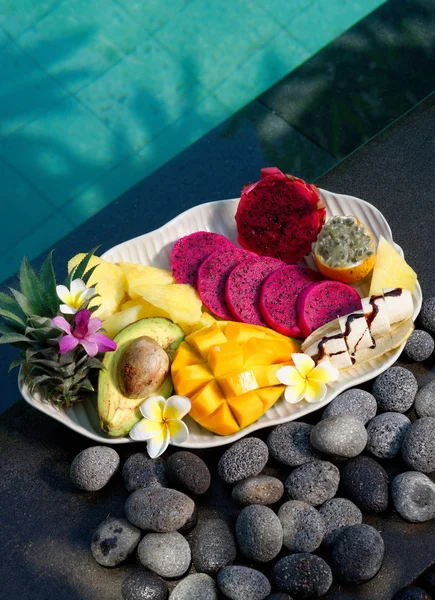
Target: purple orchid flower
{"x": 84, "y": 333}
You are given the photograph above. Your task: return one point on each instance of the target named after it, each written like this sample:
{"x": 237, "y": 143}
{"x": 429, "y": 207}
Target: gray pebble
{"x": 243, "y": 459}
{"x": 338, "y": 513}
{"x": 427, "y": 314}
{"x": 314, "y": 482}
{"x": 356, "y": 402}
{"x": 366, "y": 483}
{"x": 167, "y": 554}
{"x": 278, "y": 596}
{"x": 94, "y": 467}
{"x": 340, "y": 435}
{"x": 386, "y": 433}
{"x": 412, "y": 592}
{"x": 198, "y": 586}
{"x": 357, "y": 554}
{"x": 303, "y": 575}
{"x": 190, "y": 523}
{"x": 213, "y": 546}
{"x": 425, "y": 400}
{"x": 420, "y": 346}
{"x": 290, "y": 444}
{"x": 158, "y": 509}
{"x": 261, "y": 489}
{"x": 418, "y": 447}
{"x": 143, "y": 585}
{"x": 187, "y": 470}
{"x": 140, "y": 471}
{"x": 259, "y": 533}
{"x": 302, "y": 525}
{"x": 413, "y": 496}
{"x": 395, "y": 389}
{"x": 243, "y": 583}
{"x": 113, "y": 541}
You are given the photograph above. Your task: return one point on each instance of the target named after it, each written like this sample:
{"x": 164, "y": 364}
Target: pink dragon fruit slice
{"x": 191, "y": 250}
{"x": 279, "y": 216}
{"x": 279, "y": 294}
{"x": 242, "y": 290}
{"x": 324, "y": 301}
{"x": 212, "y": 277}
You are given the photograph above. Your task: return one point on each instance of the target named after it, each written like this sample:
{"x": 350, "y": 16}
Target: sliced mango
{"x": 229, "y": 372}
{"x": 236, "y": 384}
{"x": 206, "y": 401}
{"x": 269, "y": 395}
{"x": 266, "y": 374}
{"x": 204, "y": 339}
{"x": 184, "y": 356}
{"x": 222, "y": 421}
{"x": 225, "y": 357}
{"x": 188, "y": 380}
{"x": 247, "y": 408}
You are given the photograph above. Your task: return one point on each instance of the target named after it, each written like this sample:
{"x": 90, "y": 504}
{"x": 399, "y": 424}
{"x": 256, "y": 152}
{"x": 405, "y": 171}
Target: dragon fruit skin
{"x": 242, "y": 289}
{"x": 279, "y": 294}
{"x": 212, "y": 277}
{"x": 324, "y": 301}
{"x": 191, "y": 250}
{"x": 279, "y": 216}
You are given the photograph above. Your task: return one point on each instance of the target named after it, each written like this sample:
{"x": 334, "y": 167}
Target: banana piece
{"x": 376, "y": 312}
{"x": 399, "y": 304}
{"x": 383, "y": 324}
{"x": 332, "y": 346}
{"x": 356, "y": 332}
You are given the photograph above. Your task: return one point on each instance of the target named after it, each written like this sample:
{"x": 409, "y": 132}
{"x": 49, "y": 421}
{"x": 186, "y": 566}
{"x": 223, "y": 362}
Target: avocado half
{"x": 118, "y": 413}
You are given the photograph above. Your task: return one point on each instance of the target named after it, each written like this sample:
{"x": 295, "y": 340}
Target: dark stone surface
{"x": 360, "y": 83}
{"x": 47, "y": 523}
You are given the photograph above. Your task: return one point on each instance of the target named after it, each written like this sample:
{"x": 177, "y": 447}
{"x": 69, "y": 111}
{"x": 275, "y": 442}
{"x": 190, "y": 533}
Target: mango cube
{"x": 192, "y": 378}
{"x": 204, "y": 339}
{"x": 246, "y": 408}
{"x": 236, "y": 384}
{"x": 184, "y": 356}
{"x": 225, "y": 358}
{"x": 267, "y": 352}
{"x": 206, "y": 401}
{"x": 269, "y": 395}
{"x": 241, "y": 332}
{"x": 266, "y": 374}
{"x": 222, "y": 421}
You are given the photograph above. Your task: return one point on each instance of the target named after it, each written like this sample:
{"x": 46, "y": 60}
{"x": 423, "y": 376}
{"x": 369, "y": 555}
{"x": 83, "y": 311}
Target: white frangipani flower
{"x": 162, "y": 423}
{"x": 306, "y": 380}
{"x": 75, "y": 297}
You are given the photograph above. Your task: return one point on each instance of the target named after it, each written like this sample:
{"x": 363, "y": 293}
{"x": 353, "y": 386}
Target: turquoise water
{"x": 97, "y": 94}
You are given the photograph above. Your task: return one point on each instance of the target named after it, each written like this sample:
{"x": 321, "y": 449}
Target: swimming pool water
{"x": 97, "y": 94}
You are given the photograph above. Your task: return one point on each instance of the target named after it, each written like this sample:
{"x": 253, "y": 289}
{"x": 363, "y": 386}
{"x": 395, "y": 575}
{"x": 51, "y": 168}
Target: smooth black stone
{"x": 357, "y": 554}
{"x": 366, "y": 484}
{"x": 303, "y": 575}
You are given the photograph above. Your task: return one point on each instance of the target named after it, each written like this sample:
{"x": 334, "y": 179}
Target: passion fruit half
{"x": 345, "y": 249}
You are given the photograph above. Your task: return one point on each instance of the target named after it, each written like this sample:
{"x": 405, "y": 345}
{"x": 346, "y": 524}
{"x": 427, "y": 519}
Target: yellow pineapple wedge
{"x": 391, "y": 270}
{"x": 138, "y": 275}
{"x": 121, "y": 319}
{"x": 109, "y": 281}
{"x": 180, "y": 301}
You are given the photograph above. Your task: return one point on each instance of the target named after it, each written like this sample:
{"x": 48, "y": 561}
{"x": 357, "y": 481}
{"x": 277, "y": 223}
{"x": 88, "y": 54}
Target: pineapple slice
{"x": 138, "y": 275}
{"x": 180, "y": 301}
{"x": 118, "y": 321}
{"x": 109, "y": 281}
{"x": 391, "y": 270}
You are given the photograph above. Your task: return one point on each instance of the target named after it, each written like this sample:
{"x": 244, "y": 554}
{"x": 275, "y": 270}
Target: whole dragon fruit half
{"x": 279, "y": 216}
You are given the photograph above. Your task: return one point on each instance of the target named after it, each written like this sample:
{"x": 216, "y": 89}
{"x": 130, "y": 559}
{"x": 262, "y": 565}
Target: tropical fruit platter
{"x": 245, "y": 313}
{"x": 236, "y": 316}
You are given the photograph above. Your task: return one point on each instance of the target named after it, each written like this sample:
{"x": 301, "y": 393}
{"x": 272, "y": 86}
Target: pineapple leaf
{"x": 47, "y": 279}
{"x": 12, "y": 338}
{"x": 88, "y": 274}
{"x": 80, "y": 269}
{"x": 38, "y": 380}
{"x": 10, "y": 329}
{"x": 17, "y": 363}
{"x": 92, "y": 309}
{"x": 25, "y": 304}
{"x": 11, "y": 317}
{"x": 31, "y": 287}
{"x": 87, "y": 385}
{"x": 9, "y": 304}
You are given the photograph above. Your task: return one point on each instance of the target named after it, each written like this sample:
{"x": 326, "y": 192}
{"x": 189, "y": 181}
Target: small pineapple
{"x": 27, "y": 324}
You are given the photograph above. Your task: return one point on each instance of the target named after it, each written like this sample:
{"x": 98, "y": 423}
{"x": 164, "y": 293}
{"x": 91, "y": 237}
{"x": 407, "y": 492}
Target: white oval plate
{"x": 155, "y": 249}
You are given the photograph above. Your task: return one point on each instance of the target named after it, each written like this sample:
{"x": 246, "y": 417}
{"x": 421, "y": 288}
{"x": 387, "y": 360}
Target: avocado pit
{"x": 143, "y": 367}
